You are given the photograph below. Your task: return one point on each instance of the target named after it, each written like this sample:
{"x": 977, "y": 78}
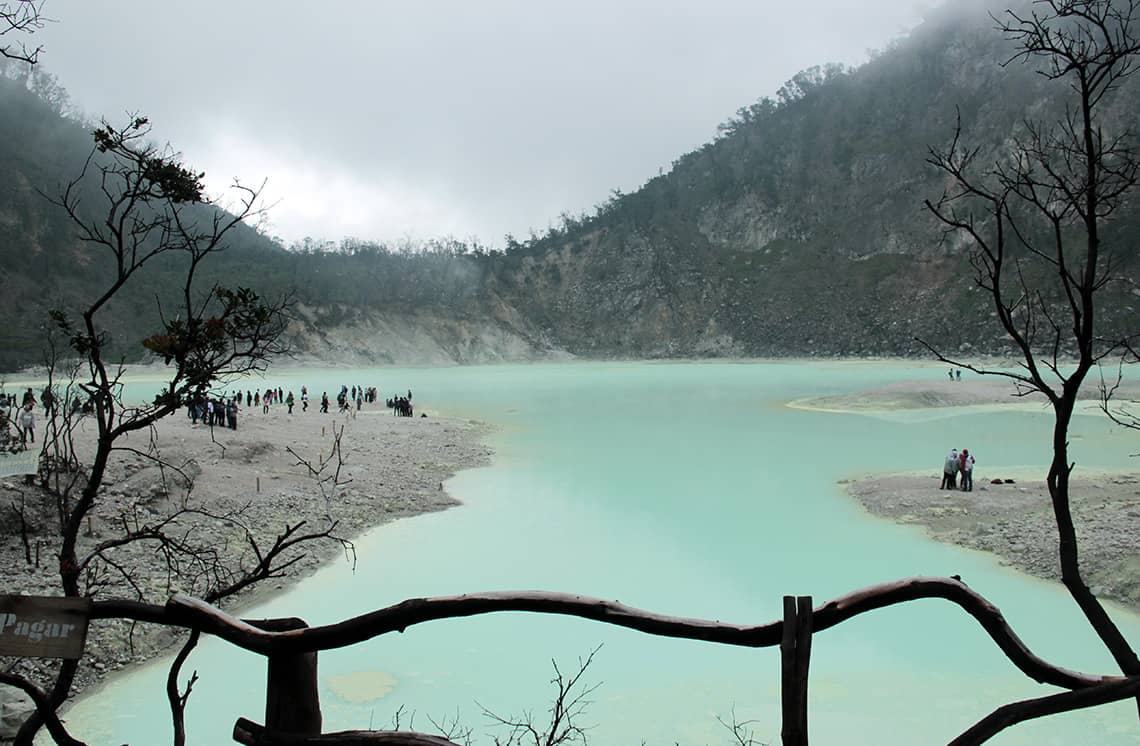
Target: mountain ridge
{"x": 800, "y": 231}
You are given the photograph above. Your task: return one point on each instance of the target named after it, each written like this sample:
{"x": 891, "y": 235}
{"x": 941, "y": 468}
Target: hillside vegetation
{"x": 800, "y": 230}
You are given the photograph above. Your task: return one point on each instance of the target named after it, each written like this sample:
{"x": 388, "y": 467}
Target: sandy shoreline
{"x": 392, "y": 467}
{"x": 938, "y": 391}
{"x": 1013, "y": 521}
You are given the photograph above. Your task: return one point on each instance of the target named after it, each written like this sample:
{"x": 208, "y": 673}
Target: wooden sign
{"x": 43, "y": 626}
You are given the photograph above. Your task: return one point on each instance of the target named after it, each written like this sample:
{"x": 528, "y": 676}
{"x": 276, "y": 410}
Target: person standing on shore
{"x": 966, "y": 464}
{"x": 950, "y": 471}
{"x": 27, "y": 422}
{"x": 289, "y": 402}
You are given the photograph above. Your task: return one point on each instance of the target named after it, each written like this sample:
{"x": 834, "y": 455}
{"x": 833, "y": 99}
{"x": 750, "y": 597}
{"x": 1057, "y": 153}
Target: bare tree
{"x": 1035, "y": 220}
{"x": 743, "y": 731}
{"x": 139, "y": 207}
{"x": 1123, "y": 410}
{"x": 325, "y": 471}
{"x": 20, "y": 17}
{"x": 571, "y": 700}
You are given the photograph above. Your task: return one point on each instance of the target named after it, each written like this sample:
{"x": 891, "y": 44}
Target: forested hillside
{"x": 43, "y": 264}
{"x": 800, "y": 230}
{"x": 351, "y": 299}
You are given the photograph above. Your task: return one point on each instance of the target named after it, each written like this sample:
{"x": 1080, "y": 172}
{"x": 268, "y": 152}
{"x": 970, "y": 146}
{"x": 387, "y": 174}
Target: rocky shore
{"x": 1012, "y": 518}
{"x": 391, "y": 467}
{"x": 1015, "y": 522}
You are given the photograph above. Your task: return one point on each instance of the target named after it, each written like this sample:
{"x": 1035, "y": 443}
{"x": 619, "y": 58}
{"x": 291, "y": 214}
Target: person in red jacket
{"x": 966, "y": 467}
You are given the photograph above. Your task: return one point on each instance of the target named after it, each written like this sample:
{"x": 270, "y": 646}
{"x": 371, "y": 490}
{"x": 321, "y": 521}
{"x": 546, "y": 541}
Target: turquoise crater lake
{"x": 689, "y": 489}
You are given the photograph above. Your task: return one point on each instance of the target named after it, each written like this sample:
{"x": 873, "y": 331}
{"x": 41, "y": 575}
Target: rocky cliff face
{"x": 642, "y": 299}
{"x": 802, "y": 231}
{"x": 417, "y": 338}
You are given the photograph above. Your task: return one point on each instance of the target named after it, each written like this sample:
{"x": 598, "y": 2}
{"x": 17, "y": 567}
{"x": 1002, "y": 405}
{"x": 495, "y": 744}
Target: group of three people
{"x": 958, "y": 463}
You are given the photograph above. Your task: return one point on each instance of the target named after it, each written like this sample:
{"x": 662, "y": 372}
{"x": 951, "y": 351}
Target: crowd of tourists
{"x": 958, "y": 470}
{"x": 215, "y": 411}
{"x": 401, "y": 406}
{"x": 18, "y": 412}
{"x": 222, "y": 410}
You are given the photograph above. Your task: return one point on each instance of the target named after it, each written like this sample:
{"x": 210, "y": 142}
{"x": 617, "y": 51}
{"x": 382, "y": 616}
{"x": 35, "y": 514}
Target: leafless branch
{"x": 451, "y": 728}
{"x": 1121, "y": 411}
{"x": 326, "y": 470}
{"x": 743, "y": 732}
{"x": 174, "y": 696}
{"x": 265, "y": 566}
{"x": 21, "y": 17}
{"x": 570, "y": 703}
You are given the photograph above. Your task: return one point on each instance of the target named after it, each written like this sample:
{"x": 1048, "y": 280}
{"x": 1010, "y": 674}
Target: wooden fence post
{"x": 795, "y": 654}
{"x": 292, "y": 702}
{"x": 805, "y": 626}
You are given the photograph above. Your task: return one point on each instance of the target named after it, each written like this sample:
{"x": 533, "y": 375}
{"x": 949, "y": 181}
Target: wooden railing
{"x": 293, "y": 707}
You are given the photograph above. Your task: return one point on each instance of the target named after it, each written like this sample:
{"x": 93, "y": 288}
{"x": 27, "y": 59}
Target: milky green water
{"x": 686, "y": 489}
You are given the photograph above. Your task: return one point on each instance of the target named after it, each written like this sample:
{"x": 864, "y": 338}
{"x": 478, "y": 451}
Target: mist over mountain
{"x": 799, "y": 231}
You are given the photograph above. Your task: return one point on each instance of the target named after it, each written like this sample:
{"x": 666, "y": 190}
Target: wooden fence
{"x": 293, "y": 707}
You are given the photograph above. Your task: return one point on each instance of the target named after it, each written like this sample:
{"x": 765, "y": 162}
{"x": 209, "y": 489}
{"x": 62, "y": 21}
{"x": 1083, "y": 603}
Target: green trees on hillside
{"x": 40, "y": 144}
{"x": 820, "y": 176}
{"x": 1035, "y": 219}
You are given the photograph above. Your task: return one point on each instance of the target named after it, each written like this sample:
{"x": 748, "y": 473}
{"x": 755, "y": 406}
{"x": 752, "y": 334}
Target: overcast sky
{"x": 471, "y": 118}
